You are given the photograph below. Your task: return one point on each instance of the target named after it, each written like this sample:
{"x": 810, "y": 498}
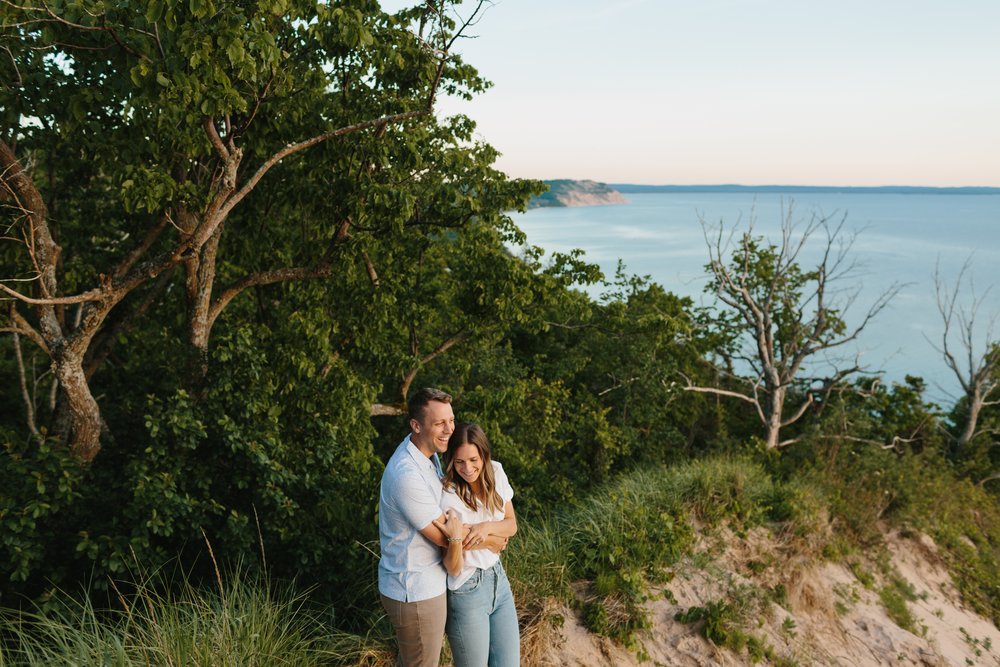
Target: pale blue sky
{"x": 879, "y": 92}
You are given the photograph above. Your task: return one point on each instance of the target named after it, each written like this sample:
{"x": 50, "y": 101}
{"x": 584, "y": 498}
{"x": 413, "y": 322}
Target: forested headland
{"x": 236, "y": 236}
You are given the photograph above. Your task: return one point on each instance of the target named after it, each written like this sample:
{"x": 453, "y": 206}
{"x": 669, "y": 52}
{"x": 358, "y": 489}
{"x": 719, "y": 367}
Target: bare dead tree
{"x": 976, "y": 367}
{"x": 787, "y": 316}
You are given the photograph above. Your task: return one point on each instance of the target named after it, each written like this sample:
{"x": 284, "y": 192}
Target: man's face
{"x": 434, "y": 428}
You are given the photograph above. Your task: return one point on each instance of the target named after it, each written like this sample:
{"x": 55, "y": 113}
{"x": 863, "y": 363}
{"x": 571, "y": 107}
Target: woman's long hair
{"x": 472, "y": 434}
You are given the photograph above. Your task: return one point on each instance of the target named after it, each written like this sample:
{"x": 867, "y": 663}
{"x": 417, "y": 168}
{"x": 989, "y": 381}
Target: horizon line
{"x": 742, "y": 186}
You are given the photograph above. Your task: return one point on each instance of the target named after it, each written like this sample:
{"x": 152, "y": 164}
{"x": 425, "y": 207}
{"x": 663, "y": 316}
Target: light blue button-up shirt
{"x": 410, "y": 568}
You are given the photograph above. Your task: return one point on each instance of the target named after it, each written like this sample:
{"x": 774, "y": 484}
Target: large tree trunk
{"x": 78, "y": 417}
{"x": 776, "y": 404}
{"x": 972, "y": 419}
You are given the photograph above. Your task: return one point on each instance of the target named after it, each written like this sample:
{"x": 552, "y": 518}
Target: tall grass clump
{"x": 742, "y": 493}
{"x": 619, "y": 539}
{"x": 537, "y": 562}
{"x": 243, "y": 621}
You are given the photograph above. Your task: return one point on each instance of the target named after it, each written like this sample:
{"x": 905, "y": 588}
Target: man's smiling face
{"x": 432, "y": 430}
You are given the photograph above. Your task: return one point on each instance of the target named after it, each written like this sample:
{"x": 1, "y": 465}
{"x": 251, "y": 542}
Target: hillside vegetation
{"x": 717, "y": 561}
{"x": 576, "y": 193}
{"x": 237, "y": 237}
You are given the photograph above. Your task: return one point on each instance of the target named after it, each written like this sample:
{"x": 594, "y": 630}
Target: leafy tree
{"x": 163, "y": 150}
{"x": 781, "y": 316}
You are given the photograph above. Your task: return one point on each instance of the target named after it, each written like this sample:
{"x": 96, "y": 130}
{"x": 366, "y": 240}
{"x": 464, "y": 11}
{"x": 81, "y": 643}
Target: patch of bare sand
{"x": 956, "y": 631}
{"x": 829, "y": 618}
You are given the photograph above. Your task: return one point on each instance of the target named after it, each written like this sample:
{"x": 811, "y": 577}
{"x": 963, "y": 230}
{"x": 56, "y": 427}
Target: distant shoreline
{"x": 631, "y": 188}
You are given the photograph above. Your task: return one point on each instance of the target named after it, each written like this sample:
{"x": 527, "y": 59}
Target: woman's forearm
{"x": 454, "y": 557}
{"x": 505, "y": 528}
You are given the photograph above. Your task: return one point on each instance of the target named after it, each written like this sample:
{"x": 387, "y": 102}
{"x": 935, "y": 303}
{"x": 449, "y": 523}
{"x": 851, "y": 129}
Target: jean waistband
{"x": 497, "y": 569}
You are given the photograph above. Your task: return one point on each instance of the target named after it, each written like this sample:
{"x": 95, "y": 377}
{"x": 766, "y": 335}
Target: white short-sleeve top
{"x": 410, "y": 568}
{"x": 477, "y": 558}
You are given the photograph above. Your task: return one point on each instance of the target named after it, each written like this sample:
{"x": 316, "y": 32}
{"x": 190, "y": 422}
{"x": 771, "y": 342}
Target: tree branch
{"x": 107, "y": 338}
{"x": 291, "y": 149}
{"x": 148, "y": 240}
{"x": 722, "y": 392}
{"x": 438, "y": 351}
{"x": 21, "y": 326}
{"x": 29, "y": 405}
{"x": 96, "y": 294}
{"x": 386, "y": 410}
{"x": 265, "y": 278}
{"x": 370, "y": 267}
{"x": 213, "y": 136}
{"x": 798, "y": 413}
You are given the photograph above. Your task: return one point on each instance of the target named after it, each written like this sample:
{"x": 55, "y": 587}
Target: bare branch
{"x": 892, "y": 444}
{"x": 721, "y": 392}
{"x": 979, "y": 375}
{"x": 265, "y": 278}
{"x": 90, "y": 295}
{"x": 133, "y": 256}
{"x": 798, "y": 413}
{"x": 22, "y": 327}
{"x": 370, "y": 267}
{"x": 618, "y": 385}
{"x": 42, "y": 247}
{"x": 446, "y": 345}
{"x": 785, "y": 314}
{"x": 291, "y": 149}
{"x": 29, "y": 405}
{"x": 108, "y": 336}
{"x": 386, "y": 410}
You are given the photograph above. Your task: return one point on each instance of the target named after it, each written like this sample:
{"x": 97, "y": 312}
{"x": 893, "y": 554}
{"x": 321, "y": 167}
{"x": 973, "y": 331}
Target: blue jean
{"x": 482, "y": 621}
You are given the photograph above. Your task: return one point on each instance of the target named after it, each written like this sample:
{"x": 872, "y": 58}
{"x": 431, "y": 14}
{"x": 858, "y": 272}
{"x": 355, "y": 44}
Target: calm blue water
{"x": 900, "y": 238}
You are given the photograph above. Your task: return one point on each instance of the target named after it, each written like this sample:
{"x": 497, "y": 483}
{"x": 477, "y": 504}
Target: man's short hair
{"x": 420, "y": 400}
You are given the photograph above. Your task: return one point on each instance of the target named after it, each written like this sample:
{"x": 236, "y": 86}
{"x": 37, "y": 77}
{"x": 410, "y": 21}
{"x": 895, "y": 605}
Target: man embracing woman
{"x": 445, "y": 513}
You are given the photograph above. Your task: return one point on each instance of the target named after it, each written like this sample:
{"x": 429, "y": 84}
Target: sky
{"x": 791, "y": 92}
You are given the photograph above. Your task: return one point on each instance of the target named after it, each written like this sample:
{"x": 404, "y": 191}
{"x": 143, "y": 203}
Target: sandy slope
{"x": 837, "y": 620}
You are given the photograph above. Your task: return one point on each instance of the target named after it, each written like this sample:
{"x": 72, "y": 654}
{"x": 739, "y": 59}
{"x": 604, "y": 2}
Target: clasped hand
{"x": 474, "y": 534}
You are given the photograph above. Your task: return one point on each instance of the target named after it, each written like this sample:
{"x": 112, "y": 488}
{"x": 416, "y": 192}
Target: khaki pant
{"x": 419, "y": 629}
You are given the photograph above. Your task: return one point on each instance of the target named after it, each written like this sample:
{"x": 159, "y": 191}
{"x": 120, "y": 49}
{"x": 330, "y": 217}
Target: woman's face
{"x": 468, "y": 463}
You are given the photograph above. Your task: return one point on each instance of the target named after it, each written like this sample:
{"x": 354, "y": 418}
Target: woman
{"x": 482, "y": 621}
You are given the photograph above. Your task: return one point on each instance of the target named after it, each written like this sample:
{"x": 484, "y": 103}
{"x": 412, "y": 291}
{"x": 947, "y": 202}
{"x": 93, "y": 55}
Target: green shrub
{"x": 620, "y": 538}
{"x": 894, "y": 597}
{"x": 725, "y": 622}
{"x": 40, "y": 481}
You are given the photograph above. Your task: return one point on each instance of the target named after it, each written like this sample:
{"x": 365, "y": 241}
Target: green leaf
{"x": 236, "y": 52}
{"x": 154, "y": 10}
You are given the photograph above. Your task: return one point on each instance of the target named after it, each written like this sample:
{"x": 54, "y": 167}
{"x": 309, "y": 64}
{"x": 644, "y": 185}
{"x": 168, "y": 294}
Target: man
{"x": 411, "y": 579}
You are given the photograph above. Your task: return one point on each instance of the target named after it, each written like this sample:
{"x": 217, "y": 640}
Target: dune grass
{"x": 243, "y": 621}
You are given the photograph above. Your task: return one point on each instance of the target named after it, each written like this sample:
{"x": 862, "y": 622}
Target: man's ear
{"x": 415, "y": 426}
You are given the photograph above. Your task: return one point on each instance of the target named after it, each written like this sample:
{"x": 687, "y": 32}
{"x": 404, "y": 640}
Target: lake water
{"x": 900, "y": 238}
